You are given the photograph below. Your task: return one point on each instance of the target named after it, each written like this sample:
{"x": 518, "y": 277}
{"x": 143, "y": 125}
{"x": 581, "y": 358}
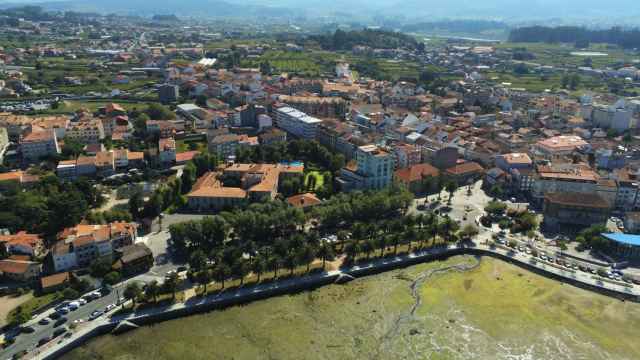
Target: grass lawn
{"x": 319, "y": 179}
{"x": 185, "y": 145}
{"x": 33, "y": 304}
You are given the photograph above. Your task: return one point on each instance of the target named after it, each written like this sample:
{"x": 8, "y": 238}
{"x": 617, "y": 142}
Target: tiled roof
{"x": 416, "y": 173}
{"x": 54, "y": 280}
{"x": 303, "y": 200}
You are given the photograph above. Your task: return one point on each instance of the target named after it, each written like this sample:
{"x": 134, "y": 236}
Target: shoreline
{"x": 246, "y": 295}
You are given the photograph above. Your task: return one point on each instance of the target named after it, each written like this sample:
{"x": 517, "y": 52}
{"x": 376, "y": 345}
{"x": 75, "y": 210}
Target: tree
{"x": 495, "y": 208}
{"x": 204, "y": 277}
{"x": 290, "y": 262}
{"x": 367, "y": 247}
{"x": 240, "y": 269}
{"x": 221, "y": 273}
{"x": 520, "y": 69}
{"x": 100, "y": 267}
{"x": 152, "y": 290}
{"x": 198, "y": 261}
{"x": 132, "y": 291}
{"x": 159, "y": 112}
{"x": 171, "y": 284}
{"x": 468, "y": 231}
{"x": 136, "y": 202}
{"x": 274, "y": 263}
{"x": 112, "y": 278}
{"x": 451, "y": 187}
{"x": 70, "y": 293}
{"x": 306, "y": 255}
{"x": 351, "y": 249}
{"x": 258, "y": 266}
{"x": 325, "y": 252}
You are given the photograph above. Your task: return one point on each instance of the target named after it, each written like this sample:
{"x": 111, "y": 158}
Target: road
{"x": 29, "y": 341}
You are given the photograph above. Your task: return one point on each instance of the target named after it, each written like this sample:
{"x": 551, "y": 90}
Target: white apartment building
{"x": 375, "y": 165}
{"x": 39, "y": 144}
{"x": 297, "y": 123}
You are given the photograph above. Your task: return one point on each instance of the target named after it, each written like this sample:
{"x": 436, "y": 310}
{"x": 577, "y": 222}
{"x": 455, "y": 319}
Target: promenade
{"x": 247, "y": 294}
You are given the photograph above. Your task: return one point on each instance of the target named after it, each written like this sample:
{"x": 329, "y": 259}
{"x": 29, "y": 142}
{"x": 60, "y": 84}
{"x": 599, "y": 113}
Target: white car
{"x": 110, "y": 307}
{"x": 82, "y": 302}
{"x": 74, "y": 305}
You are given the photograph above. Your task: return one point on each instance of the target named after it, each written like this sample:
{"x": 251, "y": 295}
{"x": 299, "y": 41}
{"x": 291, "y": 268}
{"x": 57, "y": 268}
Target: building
{"x": 564, "y": 178}
{"x": 304, "y": 201}
{"x": 373, "y": 170}
{"x": 406, "y": 155}
{"x": 575, "y": 210}
{"x": 413, "y": 177}
{"x": 168, "y": 93}
{"x": 508, "y": 162}
{"x": 17, "y": 178}
{"x": 224, "y": 145}
{"x": 167, "y": 151}
{"x": 632, "y": 222}
{"x": 256, "y": 182}
{"x": 272, "y": 136}
{"x": 39, "y": 144}
{"x": 325, "y": 107}
{"x": 4, "y": 143}
{"x": 81, "y": 245}
{"x": 296, "y": 123}
{"x": 23, "y": 243}
{"x": 20, "y": 270}
{"x": 86, "y": 131}
{"x": 133, "y": 259}
{"x": 559, "y": 146}
{"x": 465, "y": 172}
{"x": 55, "y": 282}
{"x": 626, "y": 246}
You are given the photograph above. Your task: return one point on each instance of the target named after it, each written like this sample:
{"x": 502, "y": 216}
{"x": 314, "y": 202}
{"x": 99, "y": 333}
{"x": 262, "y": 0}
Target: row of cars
{"x": 615, "y": 275}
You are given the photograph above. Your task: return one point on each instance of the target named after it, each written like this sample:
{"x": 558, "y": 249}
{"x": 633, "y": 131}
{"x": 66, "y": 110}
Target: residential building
{"x": 39, "y": 144}
{"x": 55, "y": 282}
{"x": 324, "y": 107}
{"x": 23, "y": 243}
{"x": 296, "y": 123}
{"x": 20, "y": 270}
{"x": 272, "y": 136}
{"x": 508, "y": 162}
{"x": 167, "y": 151}
{"x": 406, "y": 155}
{"x": 17, "y": 178}
{"x": 86, "y": 131}
{"x": 373, "y": 170}
{"x": 224, "y": 145}
{"x": 465, "y": 172}
{"x": 168, "y": 93}
{"x": 564, "y": 178}
{"x": 304, "y": 201}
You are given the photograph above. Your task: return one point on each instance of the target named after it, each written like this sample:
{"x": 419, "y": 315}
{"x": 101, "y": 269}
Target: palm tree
{"x": 307, "y": 254}
{"x": 274, "y": 264}
{"x": 451, "y": 188}
{"x": 171, "y": 283}
{"x": 221, "y": 273}
{"x": 131, "y": 292}
{"x": 152, "y": 290}
{"x": 258, "y": 266}
{"x": 325, "y": 252}
{"x": 290, "y": 262}
{"x": 382, "y": 244}
{"x": 351, "y": 249}
{"x": 367, "y": 247}
{"x": 204, "y": 278}
{"x": 239, "y": 270}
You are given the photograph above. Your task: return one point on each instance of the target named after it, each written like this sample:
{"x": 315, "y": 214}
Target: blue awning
{"x": 625, "y": 239}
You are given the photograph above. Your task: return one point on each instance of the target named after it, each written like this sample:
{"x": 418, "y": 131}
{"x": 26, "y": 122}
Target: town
{"x": 146, "y": 162}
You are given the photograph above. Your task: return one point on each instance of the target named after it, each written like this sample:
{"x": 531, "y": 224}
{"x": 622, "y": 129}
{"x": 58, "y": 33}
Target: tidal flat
{"x": 460, "y": 308}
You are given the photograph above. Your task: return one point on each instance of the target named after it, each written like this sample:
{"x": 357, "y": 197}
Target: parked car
{"x": 55, "y": 315}
{"x": 44, "y": 321}
{"x": 96, "y": 314}
{"x": 74, "y": 306}
{"x": 60, "y": 321}
{"x": 60, "y": 331}
{"x": 82, "y": 302}
{"x": 110, "y": 307}
{"x": 44, "y": 340}
{"x": 63, "y": 310}
{"x": 27, "y": 329}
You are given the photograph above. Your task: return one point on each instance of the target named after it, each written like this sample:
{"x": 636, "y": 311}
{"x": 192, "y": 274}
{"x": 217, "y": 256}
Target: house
{"x": 133, "y": 259}
{"x": 271, "y": 136}
{"x": 304, "y": 201}
{"x": 23, "y": 243}
{"x": 86, "y": 131}
{"x": 412, "y": 177}
{"x": 55, "y": 282}
{"x": 20, "y": 270}
{"x": 508, "y": 162}
{"x": 224, "y": 145}
{"x": 559, "y": 146}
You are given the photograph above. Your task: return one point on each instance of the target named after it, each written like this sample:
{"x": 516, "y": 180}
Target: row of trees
{"x": 377, "y": 39}
{"x": 574, "y": 34}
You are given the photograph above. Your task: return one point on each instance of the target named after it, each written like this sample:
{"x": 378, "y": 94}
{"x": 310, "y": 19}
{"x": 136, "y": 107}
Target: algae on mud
{"x": 461, "y": 308}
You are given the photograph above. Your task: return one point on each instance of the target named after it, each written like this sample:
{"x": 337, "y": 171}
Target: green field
{"x": 458, "y": 309}
{"x": 319, "y": 179}
{"x": 70, "y": 106}
{"x": 560, "y": 54}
